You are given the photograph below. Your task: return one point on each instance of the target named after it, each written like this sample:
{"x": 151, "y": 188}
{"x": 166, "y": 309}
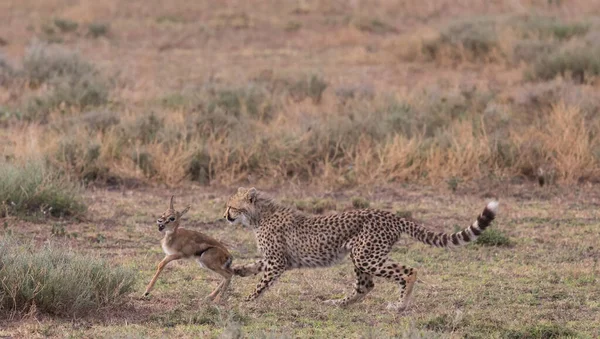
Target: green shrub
{"x": 548, "y": 27}
{"x": 72, "y": 81}
{"x": 579, "y": 63}
{"x": 7, "y": 72}
{"x": 35, "y": 189}
{"x": 471, "y": 39}
{"x": 57, "y": 281}
{"x": 43, "y": 62}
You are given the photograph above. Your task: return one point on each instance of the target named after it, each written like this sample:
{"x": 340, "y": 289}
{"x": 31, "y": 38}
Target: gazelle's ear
{"x": 171, "y": 204}
{"x": 184, "y": 211}
{"x": 241, "y": 189}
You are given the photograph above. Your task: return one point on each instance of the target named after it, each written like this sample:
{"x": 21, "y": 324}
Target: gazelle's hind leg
{"x": 222, "y": 289}
{"x": 214, "y": 293}
{"x": 217, "y": 262}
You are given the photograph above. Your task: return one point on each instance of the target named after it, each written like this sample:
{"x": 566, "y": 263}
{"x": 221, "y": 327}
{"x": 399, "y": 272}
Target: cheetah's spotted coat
{"x": 291, "y": 239}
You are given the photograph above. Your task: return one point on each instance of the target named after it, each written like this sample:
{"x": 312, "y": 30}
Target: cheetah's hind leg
{"x": 363, "y": 285}
{"x": 407, "y": 284}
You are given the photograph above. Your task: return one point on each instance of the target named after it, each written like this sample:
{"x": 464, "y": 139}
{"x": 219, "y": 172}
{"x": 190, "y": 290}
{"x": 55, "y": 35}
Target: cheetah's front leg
{"x": 272, "y": 271}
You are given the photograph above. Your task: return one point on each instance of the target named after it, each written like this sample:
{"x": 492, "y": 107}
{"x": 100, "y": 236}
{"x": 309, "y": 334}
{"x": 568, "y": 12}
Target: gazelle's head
{"x": 169, "y": 220}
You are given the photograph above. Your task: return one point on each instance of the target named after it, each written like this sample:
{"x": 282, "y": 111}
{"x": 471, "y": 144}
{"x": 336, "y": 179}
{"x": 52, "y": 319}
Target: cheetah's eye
{"x": 172, "y": 219}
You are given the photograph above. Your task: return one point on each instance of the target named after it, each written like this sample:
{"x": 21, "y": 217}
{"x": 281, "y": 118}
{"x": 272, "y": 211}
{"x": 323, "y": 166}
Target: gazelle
{"x": 179, "y": 243}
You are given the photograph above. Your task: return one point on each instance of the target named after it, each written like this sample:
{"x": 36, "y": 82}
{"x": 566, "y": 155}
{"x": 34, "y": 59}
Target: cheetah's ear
{"x": 241, "y": 189}
{"x": 252, "y": 194}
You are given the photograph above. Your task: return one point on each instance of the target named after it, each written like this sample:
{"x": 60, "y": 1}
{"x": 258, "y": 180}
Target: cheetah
{"x": 289, "y": 239}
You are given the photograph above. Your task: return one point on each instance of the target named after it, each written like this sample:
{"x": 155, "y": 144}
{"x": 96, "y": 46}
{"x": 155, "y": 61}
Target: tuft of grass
{"x": 360, "y": 203}
{"x": 98, "y": 29}
{"x": 65, "y": 25}
{"x": 315, "y": 205}
{"x": 57, "y": 281}
{"x": 542, "y": 330}
{"x": 494, "y": 237}
{"x": 35, "y": 189}
{"x": 580, "y": 64}
{"x": 374, "y": 25}
{"x": 199, "y": 168}
{"x": 404, "y": 214}
{"x": 311, "y": 87}
{"x": 293, "y": 26}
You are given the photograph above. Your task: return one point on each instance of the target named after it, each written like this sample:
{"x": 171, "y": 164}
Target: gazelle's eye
{"x": 172, "y": 219}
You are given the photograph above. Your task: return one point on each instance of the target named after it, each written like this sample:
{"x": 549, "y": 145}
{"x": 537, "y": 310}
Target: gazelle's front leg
{"x": 161, "y": 265}
{"x": 273, "y": 269}
{"x": 250, "y": 269}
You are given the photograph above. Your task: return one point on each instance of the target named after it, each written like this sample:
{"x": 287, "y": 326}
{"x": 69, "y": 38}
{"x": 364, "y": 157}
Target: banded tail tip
{"x": 492, "y": 206}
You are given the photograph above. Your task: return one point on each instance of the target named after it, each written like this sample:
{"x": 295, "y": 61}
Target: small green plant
{"x": 360, "y": 203}
{"x": 453, "y": 183}
{"x": 494, "y": 237}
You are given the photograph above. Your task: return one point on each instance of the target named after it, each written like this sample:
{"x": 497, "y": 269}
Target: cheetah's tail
{"x": 459, "y": 238}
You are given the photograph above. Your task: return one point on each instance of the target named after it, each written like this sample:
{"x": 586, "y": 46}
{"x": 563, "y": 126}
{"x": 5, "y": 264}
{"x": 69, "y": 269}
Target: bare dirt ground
{"x": 544, "y": 284}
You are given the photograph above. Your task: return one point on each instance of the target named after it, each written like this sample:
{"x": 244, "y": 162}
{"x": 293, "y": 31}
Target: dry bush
{"x": 565, "y": 141}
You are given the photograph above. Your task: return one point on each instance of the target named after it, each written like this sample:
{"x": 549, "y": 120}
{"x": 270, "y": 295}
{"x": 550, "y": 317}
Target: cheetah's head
{"x": 241, "y": 206}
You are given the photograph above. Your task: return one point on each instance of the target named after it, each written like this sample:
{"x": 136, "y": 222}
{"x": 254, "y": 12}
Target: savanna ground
{"x": 428, "y": 108}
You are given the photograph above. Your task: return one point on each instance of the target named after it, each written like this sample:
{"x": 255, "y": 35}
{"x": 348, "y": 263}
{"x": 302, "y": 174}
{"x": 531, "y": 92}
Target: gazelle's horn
{"x": 172, "y": 197}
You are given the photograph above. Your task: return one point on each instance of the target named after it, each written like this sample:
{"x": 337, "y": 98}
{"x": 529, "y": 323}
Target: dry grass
{"x": 278, "y": 121}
